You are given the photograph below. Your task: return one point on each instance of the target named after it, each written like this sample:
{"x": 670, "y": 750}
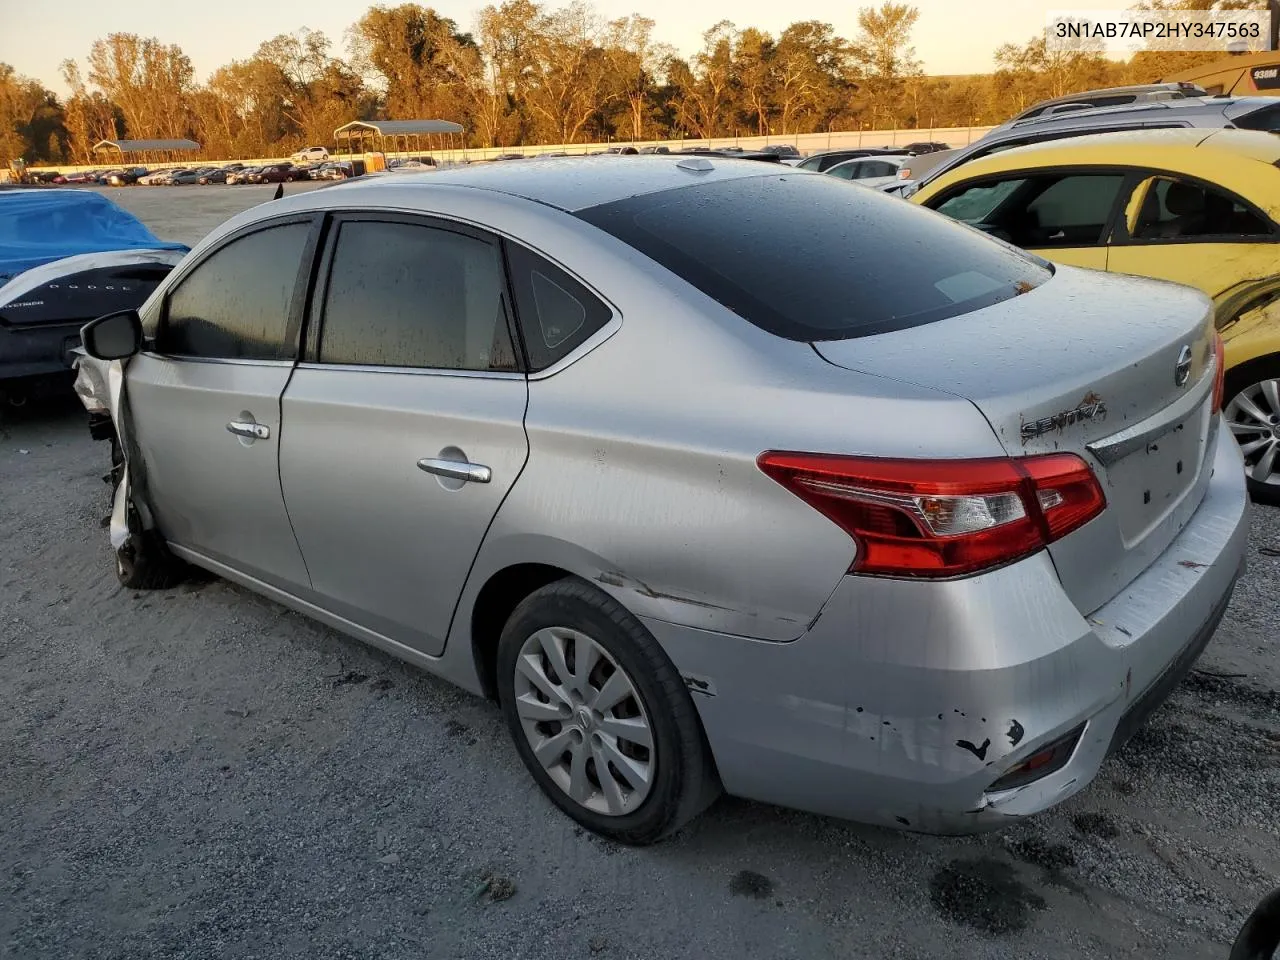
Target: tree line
{"x": 532, "y": 73}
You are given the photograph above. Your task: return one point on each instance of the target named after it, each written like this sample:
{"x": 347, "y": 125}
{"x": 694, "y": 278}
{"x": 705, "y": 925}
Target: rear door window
{"x": 834, "y": 263}
{"x": 407, "y": 294}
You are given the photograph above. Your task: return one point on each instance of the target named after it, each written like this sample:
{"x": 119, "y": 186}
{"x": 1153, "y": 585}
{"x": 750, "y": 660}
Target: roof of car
{"x": 1209, "y": 151}
{"x": 1255, "y": 145}
{"x": 576, "y": 183}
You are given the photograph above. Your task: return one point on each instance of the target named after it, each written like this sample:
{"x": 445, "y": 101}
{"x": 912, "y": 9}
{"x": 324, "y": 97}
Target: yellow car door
{"x": 1063, "y": 214}
{"x": 1180, "y": 229}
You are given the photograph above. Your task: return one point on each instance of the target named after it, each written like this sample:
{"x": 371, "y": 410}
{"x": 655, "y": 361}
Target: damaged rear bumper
{"x": 907, "y": 701}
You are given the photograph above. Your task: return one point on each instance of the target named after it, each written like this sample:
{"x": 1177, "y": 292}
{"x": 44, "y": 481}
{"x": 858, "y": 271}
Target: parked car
{"x": 339, "y": 170}
{"x": 1195, "y": 207}
{"x": 82, "y": 176}
{"x": 105, "y": 176}
{"x": 781, "y": 149}
{"x": 980, "y": 574}
{"x": 155, "y": 177}
{"x": 869, "y": 171}
{"x": 1248, "y": 113}
{"x": 278, "y": 173}
{"x": 655, "y": 149}
{"x": 220, "y": 174}
{"x": 825, "y": 160}
{"x": 187, "y": 177}
{"x": 126, "y": 177}
{"x": 921, "y": 147}
{"x": 1109, "y": 97}
{"x": 66, "y": 256}
{"x": 242, "y": 175}
{"x": 311, "y": 155}
{"x": 45, "y": 176}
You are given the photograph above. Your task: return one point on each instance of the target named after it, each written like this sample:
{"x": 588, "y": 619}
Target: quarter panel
{"x": 643, "y": 459}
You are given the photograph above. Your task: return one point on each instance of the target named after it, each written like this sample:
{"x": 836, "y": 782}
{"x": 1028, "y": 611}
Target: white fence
{"x": 804, "y": 142}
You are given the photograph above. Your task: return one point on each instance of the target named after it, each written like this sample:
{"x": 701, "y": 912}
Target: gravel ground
{"x": 201, "y": 773}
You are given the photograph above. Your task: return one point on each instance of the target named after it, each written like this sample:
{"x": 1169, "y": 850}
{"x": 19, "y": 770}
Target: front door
{"x": 204, "y": 405}
{"x": 405, "y": 427}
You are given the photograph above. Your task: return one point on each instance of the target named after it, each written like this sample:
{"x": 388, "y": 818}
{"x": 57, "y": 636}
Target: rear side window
{"x": 807, "y": 258}
{"x": 557, "y": 313}
{"x": 1268, "y": 119}
{"x": 235, "y": 304}
{"x": 411, "y": 295}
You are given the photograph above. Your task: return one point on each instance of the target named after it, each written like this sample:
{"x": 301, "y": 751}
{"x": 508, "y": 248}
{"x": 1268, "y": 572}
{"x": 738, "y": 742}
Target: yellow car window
{"x": 1174, "y": 209}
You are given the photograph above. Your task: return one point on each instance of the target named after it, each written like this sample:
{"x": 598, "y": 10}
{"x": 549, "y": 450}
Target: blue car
{"x": 66, "y": 256}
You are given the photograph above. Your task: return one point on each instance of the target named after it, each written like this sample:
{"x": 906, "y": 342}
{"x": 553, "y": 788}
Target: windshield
{"x": 808, "y": 257}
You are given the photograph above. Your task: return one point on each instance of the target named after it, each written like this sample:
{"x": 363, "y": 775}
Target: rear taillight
{"x": 942, "y": 518}
{"x": 1219, "y": 371}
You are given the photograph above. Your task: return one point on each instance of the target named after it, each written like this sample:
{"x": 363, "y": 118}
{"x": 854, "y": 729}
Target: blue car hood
{"x": 40, "y": 226}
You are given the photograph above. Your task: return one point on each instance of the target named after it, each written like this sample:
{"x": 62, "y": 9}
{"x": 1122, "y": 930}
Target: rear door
{"x": 204, "y": 402}
{"x": 405, "y": 422}
{"x": 1063, "y": 214}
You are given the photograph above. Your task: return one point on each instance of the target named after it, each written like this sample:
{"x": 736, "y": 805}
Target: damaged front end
{"x": 100, "y": 386}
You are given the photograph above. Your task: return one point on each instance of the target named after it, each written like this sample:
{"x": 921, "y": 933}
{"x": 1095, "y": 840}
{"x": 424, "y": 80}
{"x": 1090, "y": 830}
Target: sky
{"x": 950, "y": 36}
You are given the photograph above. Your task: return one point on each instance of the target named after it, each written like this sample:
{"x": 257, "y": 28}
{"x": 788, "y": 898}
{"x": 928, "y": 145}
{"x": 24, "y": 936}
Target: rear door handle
{"x": 455, "y": 470}
{"x": 247, "y": 428}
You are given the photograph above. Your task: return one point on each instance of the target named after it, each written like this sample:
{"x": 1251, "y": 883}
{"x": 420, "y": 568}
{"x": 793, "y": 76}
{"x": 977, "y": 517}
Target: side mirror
{"x": 113, "y": 337}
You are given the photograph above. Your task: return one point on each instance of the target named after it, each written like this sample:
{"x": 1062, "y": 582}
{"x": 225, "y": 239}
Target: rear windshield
{"x": 809, "y": 257}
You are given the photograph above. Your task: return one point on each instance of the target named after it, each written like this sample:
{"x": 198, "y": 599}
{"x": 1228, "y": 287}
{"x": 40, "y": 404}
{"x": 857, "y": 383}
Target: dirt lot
{"x": 201, "y": 773}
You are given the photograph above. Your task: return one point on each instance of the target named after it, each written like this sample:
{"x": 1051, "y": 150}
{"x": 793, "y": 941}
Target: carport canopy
{"x": 146, "y": 150}
{"x": 396, "y": 136}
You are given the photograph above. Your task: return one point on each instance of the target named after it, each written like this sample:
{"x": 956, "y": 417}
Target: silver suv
{"x": 1249, "y": 113}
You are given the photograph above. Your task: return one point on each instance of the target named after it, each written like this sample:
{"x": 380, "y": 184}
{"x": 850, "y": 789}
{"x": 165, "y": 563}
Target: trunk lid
{"x": 1091, "y": 364}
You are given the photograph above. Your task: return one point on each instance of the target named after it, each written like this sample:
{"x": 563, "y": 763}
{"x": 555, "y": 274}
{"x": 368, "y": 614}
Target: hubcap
{"x": 1253, "y": 415}
{"x": 583, "y": 718}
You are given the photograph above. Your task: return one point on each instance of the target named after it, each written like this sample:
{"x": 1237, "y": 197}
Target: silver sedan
{"x": 715, "y": 475}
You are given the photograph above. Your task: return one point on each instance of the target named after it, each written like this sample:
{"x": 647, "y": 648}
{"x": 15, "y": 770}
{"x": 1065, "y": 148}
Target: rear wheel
{"x": 600, "y": 716}
{"x": 1252, "y": 413}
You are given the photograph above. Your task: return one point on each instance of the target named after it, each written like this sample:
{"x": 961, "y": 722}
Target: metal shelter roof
{"x": 397, "y": 128}
{"x": 144, "y": 146}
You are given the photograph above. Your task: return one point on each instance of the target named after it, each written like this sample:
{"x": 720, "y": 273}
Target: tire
{"x": 145, "y": 563}
{"x": 1245, "y": 385}
{"x": 681, "y": 779}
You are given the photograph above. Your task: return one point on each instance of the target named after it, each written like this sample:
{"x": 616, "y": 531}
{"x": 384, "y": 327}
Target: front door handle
{"x": 456, "y": 470}
{"x": 247, "y": 428}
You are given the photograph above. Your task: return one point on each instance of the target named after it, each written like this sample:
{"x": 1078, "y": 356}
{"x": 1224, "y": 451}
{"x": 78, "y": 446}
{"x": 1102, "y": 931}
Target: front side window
{"x": 1071, "y": 211}
{"x": 974, "y": 204}
{"x": 1040, "y": 210}
{"x": 236, "y": 304}
{"x": 847, "y": 171}
{"x": 835, "y": 263}
{"x": 410, "y": 295}
{"x": 1175, "y": 209}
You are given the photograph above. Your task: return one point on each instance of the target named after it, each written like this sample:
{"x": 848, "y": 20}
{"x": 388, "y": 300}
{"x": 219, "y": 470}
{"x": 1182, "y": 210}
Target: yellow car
{"x": 1194, "y": 206}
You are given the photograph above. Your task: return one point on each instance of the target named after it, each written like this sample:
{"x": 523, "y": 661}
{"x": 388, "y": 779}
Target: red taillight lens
{"x": 942, "y": 518}
{"x": 1219, "y": 371}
